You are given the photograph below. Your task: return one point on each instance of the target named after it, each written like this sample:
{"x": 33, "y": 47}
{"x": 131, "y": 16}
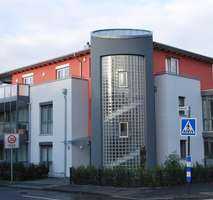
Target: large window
{"x": 63, "y": 73}
{"x": 172, "y": 65}
{"x": 46, "y": 119}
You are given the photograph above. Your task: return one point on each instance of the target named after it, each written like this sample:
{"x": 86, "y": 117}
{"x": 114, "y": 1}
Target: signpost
{"x": 188, "y": 127}
{"x": 11, "y": 141}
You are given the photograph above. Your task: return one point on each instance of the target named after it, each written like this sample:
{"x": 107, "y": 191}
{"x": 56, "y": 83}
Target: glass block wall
{"x": 123, "y": 104}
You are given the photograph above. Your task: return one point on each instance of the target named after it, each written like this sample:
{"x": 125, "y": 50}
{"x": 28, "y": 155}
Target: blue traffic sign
{"x": 188, "y": 126}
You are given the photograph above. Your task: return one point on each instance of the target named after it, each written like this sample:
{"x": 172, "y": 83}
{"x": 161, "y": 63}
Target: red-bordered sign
{"x": 11, "y": 141}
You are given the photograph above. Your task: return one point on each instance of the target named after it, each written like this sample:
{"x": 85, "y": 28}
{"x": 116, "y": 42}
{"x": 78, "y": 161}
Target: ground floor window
{"x": 46, "y": 155}
{"x": 182, "y": 149}
{"x": 208, "y": 148}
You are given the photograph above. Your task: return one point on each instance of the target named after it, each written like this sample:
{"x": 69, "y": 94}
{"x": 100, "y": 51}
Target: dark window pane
{"x": 181, "y": 101}
{"x": 183, "y": 149}
{"x": 46, "y": 119}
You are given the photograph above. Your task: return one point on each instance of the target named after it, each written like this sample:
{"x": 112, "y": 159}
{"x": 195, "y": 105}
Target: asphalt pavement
{"x": 60, "y": 189}
{"x": 23, "y": 194}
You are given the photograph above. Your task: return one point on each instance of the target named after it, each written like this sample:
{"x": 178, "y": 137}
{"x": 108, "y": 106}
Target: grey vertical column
{"x": 122, "y": 42}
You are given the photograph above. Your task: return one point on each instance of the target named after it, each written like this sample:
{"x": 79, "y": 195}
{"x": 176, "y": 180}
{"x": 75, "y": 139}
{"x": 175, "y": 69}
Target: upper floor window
{"x": 208, "y": 113}
{"x": 172, "y": 65}
{"x": 62, "y": 71}
{"x": 182, "y": 106}
{"x": 28, "y": 79}
{"x": 181, "y": 101}
{"x": 46, "y": 119}
{"x": 122, "y": 79}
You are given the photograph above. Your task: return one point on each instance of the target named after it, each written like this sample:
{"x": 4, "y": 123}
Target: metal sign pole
{"x": 189, "y": 169}
{"x": 11, "y": 165}
{"x": 189, "y": 114}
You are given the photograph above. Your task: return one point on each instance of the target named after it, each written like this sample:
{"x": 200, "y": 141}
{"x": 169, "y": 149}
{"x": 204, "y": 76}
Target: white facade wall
{"x": 47, "y": 92}
{"x": 77, "y": 123}
{"x": 168, "y": 89}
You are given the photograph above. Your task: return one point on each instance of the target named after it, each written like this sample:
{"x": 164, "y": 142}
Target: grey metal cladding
{"x": 141, "y": 46}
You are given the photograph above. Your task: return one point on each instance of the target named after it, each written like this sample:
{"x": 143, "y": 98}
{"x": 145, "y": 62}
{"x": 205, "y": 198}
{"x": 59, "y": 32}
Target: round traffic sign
{"x": 11, "y": 139}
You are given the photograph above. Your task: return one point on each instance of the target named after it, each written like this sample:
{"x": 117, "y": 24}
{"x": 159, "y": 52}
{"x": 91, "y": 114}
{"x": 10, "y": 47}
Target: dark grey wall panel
{"x": 121, "y": 42}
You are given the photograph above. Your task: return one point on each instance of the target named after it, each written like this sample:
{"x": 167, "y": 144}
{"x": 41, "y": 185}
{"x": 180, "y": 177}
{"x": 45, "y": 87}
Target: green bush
{"x": 23, "y": 172}
{"x": 173, "y": 172}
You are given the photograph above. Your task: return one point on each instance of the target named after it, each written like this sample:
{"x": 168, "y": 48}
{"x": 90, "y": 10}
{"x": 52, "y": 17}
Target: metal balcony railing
{"x": 10, "y": 90}
{"x": 10, "y": 127}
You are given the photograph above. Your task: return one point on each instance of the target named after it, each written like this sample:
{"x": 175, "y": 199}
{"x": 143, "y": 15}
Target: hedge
{"x": 170, "y": 174}
{"x": 23, "y": 172}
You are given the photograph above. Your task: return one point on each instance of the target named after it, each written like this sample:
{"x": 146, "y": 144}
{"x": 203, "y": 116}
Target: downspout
{"x": 64, "y": 91}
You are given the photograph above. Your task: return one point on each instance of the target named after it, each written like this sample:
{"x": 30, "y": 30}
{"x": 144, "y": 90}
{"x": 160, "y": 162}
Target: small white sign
{"x": 11, "y": 141}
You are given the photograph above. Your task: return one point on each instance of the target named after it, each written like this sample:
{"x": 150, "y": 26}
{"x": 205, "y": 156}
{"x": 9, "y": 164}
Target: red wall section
{"x": 187, "y": 67}
{"x": 50, "y": 75}
{"x": 50, "y": 71}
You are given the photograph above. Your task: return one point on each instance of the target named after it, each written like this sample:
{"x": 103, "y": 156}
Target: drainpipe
{"x": 64, "y": 91}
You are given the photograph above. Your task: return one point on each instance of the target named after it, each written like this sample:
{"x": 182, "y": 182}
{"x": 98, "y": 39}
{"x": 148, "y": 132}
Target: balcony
{"x": 7, "y": 127}
{"x": 11, "y": 92}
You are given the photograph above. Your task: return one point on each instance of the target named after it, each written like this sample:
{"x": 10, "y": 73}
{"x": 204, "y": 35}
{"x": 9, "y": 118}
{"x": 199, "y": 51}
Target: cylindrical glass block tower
{"x": 123, "y": 118}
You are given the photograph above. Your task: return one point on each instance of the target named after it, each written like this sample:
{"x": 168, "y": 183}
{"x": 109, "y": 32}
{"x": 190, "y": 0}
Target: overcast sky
{"x": 36, "y": 30}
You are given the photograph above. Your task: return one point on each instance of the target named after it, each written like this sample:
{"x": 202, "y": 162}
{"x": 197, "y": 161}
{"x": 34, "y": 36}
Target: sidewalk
{"x": 197, "y": 191}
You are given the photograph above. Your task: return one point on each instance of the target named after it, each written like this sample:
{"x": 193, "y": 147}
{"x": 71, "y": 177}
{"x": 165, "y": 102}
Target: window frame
{"x": 28, "y": 78}
{"x": 169, "y": 66}
{"x": 63, "y": 71}
{"x": 49, "y": 123}
{"x": 126, "y": 79}
{"x": 127, "y": 130}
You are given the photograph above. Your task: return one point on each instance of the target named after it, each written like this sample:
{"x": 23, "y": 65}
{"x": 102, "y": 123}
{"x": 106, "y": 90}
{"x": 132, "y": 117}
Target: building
{"x": 117, "y": 103}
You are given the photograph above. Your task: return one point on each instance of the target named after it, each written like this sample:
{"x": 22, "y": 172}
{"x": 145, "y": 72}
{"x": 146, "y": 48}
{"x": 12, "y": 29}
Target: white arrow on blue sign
{"x": 188, "y": 126}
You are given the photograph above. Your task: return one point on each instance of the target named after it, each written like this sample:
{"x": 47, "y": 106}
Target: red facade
{"x": 80, "y": 68}
{"x": 188, "y": 67}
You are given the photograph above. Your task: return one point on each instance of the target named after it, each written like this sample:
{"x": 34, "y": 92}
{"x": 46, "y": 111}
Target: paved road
{"x": 19, "y": 194}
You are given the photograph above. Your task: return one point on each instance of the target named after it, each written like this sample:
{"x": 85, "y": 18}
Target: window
{"x": 1, "y": 152}
{"x": 208, "y": 148}
{"x": 122, "y": 79}
{"x": 172, "y": 65}
{"x": 46, "y": 155}
{"x": 123, "y": 129}
{"x": 28, "y": 80}
{"x": 181, "y": 101}
{"x": 182, "y": 149}
{"x": 182, "y": 109}
{"x": 63, "y": 73}
{"x": 46, "y": 119}
{"x": 208, "y": 113}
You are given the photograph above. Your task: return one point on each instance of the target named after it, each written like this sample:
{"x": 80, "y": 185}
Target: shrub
{"x": 22, "y": 172}
{"x": 173, "y": 172}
